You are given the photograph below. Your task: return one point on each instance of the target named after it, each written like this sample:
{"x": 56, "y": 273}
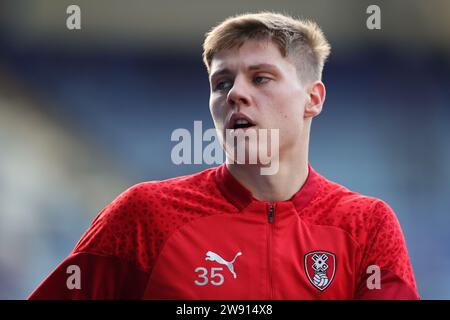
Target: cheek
{"x": 291, "y": 109}
{"x": 294, "y": 106}
{"x": 290, "y": 115}
{"x": 217, "y": 113}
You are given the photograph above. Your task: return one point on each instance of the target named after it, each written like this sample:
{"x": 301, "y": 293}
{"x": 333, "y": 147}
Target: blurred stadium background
{"x": 86, "y": 114}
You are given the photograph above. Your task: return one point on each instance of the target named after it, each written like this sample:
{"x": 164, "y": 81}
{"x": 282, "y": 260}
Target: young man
{"x": 232, "y": 232}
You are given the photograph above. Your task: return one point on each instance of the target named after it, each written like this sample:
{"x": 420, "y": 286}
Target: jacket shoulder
{"x": 136, "y": 224}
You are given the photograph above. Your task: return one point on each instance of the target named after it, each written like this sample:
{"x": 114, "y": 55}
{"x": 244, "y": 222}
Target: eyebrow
{"x": 258, "y": 66}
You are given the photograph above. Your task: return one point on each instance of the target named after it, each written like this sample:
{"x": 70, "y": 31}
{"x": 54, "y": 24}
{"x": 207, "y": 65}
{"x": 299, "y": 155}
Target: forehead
{"x": 252, "y": 52}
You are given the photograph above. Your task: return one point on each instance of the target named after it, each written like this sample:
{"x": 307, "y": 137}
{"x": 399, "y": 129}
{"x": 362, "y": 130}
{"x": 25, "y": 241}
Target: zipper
{"x": 271, "y": 213}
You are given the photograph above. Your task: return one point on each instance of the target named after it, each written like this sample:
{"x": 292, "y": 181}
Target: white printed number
{"x": 215, "y": 277}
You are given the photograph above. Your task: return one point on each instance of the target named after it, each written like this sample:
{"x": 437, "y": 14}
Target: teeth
{"x": 241, "y": 122}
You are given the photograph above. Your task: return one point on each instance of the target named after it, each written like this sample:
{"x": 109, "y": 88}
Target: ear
{"x": 316, "y": 97}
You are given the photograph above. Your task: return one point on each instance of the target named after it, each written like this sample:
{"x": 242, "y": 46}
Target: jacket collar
{"x": 241, "y": 197}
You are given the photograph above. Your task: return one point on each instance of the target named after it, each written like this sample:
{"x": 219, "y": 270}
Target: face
{"x": 255, "y": 87}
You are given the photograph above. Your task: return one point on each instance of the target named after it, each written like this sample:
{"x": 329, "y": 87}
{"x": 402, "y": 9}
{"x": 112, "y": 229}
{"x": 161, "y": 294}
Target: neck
{"x": 281, "y": 186}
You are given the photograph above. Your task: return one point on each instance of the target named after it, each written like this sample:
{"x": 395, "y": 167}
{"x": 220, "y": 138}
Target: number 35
{"x": 203, "y": 274}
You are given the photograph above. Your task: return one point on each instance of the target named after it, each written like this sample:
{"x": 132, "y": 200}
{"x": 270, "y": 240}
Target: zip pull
{"x": 271, "y": 212}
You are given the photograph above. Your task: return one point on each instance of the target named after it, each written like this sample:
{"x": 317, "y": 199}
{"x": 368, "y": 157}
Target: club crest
{"x": 320, "y": 267}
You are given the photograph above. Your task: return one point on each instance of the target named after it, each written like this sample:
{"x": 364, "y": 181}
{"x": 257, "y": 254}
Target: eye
{"x": 261, "y": 79}
{"x": 222, "y": 85}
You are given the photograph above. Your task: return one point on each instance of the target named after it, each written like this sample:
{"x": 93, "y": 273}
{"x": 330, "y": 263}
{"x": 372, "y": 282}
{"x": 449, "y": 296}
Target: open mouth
{"x": 242, "y": 124}
{"x": 240, "y": 121}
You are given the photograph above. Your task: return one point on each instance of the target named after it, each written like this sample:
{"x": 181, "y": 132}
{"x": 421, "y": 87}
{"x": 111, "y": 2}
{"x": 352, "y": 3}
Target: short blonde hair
{"x": 294, "y": 37}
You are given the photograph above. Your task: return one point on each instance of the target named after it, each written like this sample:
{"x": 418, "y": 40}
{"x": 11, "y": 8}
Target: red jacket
{"x": 204, "y": 236}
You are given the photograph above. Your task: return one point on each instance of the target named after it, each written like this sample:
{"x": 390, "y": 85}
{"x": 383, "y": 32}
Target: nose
{"x": 238, "y": 95}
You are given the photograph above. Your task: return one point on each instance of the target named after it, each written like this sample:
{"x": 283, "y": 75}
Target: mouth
{"x": 240, "y": 121}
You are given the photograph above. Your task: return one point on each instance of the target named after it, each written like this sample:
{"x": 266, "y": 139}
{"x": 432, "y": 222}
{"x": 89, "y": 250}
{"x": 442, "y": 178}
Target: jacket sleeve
{"x": 110, "y": 261}
{"x": 85, "y": 276}
{"x": 386, "y": 257}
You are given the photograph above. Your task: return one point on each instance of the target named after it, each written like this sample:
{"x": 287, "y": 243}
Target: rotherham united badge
{"x": 320, "y": 267}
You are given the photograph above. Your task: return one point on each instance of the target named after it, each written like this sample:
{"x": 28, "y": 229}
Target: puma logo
{"x": 215, "y": 257}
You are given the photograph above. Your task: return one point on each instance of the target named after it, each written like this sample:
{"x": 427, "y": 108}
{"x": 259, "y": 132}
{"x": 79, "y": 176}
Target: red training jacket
{"x": 204, "y": 236}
